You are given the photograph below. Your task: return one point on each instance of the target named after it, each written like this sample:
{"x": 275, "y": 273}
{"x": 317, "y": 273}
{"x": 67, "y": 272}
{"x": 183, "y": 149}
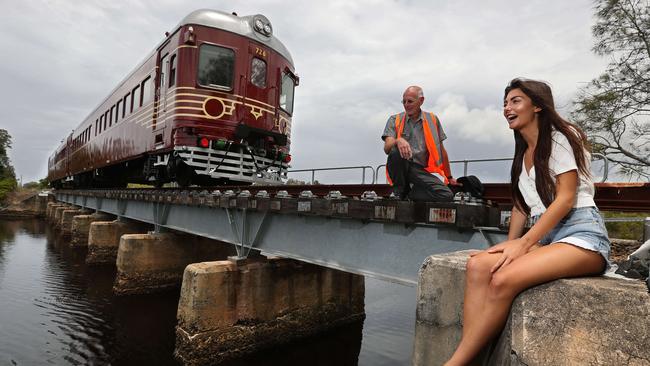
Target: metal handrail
{"x": 467, "y": 161}
{"x": 362, "y": 167}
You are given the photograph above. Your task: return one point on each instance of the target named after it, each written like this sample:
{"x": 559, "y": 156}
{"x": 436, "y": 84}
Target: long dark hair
{"x": 542, "y": 97}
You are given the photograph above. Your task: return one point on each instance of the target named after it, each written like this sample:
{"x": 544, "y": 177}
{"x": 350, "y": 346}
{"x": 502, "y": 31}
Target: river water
{"x": 55, "y": 310}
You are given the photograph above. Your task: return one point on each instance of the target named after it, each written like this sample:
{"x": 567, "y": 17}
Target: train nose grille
{"x": 236, "y": 164}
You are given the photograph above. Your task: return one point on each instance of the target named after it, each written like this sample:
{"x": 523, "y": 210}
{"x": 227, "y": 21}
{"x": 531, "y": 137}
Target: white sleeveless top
{"x": 561, "y": 161}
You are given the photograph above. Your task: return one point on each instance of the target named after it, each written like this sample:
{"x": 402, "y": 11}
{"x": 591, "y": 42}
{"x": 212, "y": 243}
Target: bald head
{"x": 412, "y": 100}
{"x": 415, "y": 89}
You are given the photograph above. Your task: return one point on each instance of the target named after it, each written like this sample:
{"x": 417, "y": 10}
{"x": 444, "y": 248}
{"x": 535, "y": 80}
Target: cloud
{"x": 354, "y": 60}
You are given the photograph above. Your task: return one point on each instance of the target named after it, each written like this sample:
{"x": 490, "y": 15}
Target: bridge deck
{"x": 379, "y": 237}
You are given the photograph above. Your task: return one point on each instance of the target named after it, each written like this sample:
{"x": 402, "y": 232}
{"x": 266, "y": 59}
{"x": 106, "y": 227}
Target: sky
{"x": 354, "y": 60}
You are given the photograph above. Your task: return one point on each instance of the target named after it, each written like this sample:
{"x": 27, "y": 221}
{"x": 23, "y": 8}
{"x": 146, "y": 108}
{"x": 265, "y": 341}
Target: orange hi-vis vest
{"x": 434, "y": 147}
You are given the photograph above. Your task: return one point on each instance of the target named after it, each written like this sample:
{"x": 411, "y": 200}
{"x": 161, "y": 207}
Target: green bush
{"x": 6, "y": 185}
{"x": 625, "y": 230}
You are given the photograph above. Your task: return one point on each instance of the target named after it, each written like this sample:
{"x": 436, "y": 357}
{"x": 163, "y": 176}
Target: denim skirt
{"x": 584, "y": 228}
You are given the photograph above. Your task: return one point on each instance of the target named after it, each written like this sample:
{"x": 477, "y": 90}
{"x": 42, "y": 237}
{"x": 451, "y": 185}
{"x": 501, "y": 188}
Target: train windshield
{"x": 286, "y": 94}
{"x": 216, "y": 66}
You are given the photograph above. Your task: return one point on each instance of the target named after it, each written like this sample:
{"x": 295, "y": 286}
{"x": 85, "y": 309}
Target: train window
{"x": 163, "y": 72}
{"x": 112, "y": 115}
{"x": 127, "y": 105}
{"x": 102, "y": 125}
{"x": 258, "y": 72}
{"x": 105, "y": 120}
{"x": 96, "y": 123}
{"x": 216, "y": 66}
{"x": 118, "y": 106}
{"x": 286, "y": 93}
{"x": 147, "y": 91}
{"x": 135, "y": 100}
{"x": 172, "y": 71}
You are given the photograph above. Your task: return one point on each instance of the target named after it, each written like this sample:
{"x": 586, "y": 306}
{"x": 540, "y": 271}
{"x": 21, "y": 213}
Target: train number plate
{"x": 385, "y": 212}
{"x": 304, "y": 206}
{"x": 442, "y": 215}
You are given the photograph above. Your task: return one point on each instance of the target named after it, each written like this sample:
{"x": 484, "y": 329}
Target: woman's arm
{"x": 566, "y": 185}
{"x": 517, "y": 224}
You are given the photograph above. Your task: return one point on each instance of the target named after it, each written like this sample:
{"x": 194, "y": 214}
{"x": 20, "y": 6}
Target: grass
{"x": 625, "y": 230}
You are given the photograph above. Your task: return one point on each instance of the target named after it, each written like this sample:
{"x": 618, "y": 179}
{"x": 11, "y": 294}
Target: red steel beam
{"x": 630, "y": 197}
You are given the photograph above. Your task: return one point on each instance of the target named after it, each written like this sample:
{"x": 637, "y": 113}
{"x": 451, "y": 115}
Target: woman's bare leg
{"x": 478, "y": 276}
{"x": 539, "y": 266}
{"x": 477, "y": 281}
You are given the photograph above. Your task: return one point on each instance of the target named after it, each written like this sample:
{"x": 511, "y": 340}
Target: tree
{"x": 614, "y": 109}
{"x": 7, "y": 176}
{"x": 6, "y": 170}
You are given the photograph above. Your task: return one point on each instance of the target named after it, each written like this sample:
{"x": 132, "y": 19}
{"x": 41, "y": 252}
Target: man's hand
{"x": 453, "y": 182}
{"x": 404, "y": 148}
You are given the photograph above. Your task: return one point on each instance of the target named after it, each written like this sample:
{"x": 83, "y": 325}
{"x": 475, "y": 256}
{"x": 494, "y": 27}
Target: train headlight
{"x": 259, "y": 25}
{"x": 262, "y": 25}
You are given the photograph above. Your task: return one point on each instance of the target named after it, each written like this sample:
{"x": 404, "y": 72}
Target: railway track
{"x": 629, "y": 197}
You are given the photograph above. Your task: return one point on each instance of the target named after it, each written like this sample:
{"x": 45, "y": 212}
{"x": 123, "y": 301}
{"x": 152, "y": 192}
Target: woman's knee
{"x": 478, "y": 268}
{"x": 502, "y": 285}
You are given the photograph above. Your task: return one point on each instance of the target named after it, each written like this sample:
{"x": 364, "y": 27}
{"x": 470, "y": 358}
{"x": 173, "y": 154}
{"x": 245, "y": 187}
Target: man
{"x": 417, "y": 164}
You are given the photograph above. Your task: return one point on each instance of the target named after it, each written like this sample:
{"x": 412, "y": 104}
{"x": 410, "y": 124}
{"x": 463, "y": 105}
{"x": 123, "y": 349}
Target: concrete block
{"x": 81, "y": 227}
{"x": 104, "y": 239}
{"x": 66, "y": 219}
{"x": 155, "y": 262}
{"x": 230, "y": 309}
{"x": 57, "y": 212}
{"x": 49, "y": 211}
{"x": 580, "y": 321}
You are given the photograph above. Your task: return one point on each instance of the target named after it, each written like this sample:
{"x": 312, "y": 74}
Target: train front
{"x": 232, "y": 107}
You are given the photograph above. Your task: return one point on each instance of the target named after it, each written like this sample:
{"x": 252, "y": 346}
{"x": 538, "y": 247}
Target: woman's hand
{"x": 510, "y": 250}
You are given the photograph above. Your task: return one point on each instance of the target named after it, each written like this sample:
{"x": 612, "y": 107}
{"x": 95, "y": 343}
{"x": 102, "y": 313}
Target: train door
{"x": 68, "y": 153}
{"x": 162, "y": 90}
{"x": 259, "y": 87}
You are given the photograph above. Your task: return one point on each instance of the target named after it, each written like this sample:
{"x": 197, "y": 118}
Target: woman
{"x": 550, "y": 181}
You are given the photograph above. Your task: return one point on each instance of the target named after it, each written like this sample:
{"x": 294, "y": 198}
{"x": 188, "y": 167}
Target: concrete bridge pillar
{"x": 81, "y": 227}
{"x": 57, "y": 211}
{"x": 229, "y": 309}
{"x": 51, "y": 209}
{"x": 40, "y": 204}
{"x": 104, "y": 239}
{"x": 67, "y": 217}
{"x": 154, "y": 262}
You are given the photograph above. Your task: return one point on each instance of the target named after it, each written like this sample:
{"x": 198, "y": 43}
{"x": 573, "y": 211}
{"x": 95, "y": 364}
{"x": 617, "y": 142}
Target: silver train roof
{"x": 235, "y": 24}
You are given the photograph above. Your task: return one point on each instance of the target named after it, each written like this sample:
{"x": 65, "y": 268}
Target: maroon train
{"x": 212, "y": 104}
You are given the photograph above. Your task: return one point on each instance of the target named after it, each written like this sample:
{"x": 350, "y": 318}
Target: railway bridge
{"x": 252, "y": 290}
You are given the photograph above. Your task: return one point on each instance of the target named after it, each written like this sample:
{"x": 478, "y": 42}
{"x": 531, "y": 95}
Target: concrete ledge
{"x": 585, "y": 321}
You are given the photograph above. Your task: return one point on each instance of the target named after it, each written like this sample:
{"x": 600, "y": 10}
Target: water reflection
{"x": 57, "y": 310}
